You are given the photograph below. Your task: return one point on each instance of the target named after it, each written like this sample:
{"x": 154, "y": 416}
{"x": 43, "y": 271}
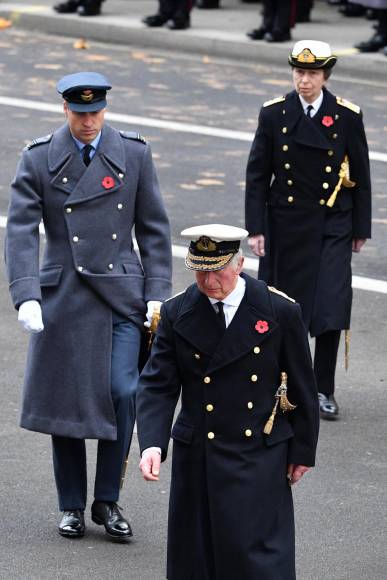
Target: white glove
{"x": 151, "y": 306}
{"x": 30, "y": 315}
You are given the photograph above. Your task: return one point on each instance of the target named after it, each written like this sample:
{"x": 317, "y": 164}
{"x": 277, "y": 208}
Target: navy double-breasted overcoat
{"x": 231, "y": 512}
{"x": 89, "y": 268}
{"x": 292, "y": 171}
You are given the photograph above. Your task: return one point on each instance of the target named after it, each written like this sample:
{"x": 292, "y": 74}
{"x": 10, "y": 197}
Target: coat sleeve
{"x": 258, "y": 175}
{"x": 22, "y": 234}
{"x": 153, "y": 233}
{"x": 158, "y": 391}
{"x": 302, "y": 391}
{"x": 360, "y": 173}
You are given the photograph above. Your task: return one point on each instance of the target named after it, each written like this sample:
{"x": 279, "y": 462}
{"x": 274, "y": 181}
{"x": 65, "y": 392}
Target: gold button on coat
{"x": 80, "y": 268}
{"x": 257, "y": 350}
{"x": 210, "y": 435}
{"x": 68, "y": 210}
{"x": 284, "y": 129}
{"x": 64, "y": 180}
{"x": 114, "y": 236}
{"x": 334, "y": 136}
{"x": 330, "y": 152}
{"x": 75, "y": 239}
{"x": 325, "y": 185}
{"x": 110, "y": 266}
{"x": 248, "y": 432}
{"x": 119, "y": 206}
{"x": 322, "y": 202}
{"x": 328, "y": 169}
{"x": 287, "y": 165}
{"x": 197, "y": 355}
{"x": 250, "y": 405}
{"x": 121, "y": 175}
{"x": 254, "y": 378}
{"x": 207, "y": 380}
{"x": 285, "y": 147}
{"x": 289, "y": 182}
{"x": 209, "y": 407}
{"x": 290, "y": 199}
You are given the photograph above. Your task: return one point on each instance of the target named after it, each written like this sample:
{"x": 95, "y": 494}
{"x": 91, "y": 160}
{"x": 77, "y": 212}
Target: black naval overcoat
{"x": 231, "y": 511}
{"x": 89, "y": 268}
{"x": 293, "y": 169}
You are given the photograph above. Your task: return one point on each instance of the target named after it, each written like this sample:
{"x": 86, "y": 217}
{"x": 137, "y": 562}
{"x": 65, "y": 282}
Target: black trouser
{"x": 325, "y": 359}
{"x": 175, "y": 8}
{"x": 382, "y": 22}
{"x": 277, "y": 15}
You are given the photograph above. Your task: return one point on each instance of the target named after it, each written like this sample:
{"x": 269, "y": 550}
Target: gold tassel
{"x": 284, "y": 403}
{"x": 344, "y": 180}
{"x": 153, "y": 327}
{"x": 346, "y": 355}
{"x": 123, "y": 472}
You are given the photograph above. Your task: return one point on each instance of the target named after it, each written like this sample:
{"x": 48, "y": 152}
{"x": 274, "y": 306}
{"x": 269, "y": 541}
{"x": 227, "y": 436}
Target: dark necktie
{"x": 220, "y": 314}
{"x": 86, "y": 154}
{"x": 309, "y": 110}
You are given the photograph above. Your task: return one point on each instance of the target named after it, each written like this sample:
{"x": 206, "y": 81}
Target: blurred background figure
{"x": 277, "y": 19}
{"x": 379, "y": 39}
{"x": 82, "y": 7}
{"x": 303, "y": 10}
{"x": 174, "y": 13}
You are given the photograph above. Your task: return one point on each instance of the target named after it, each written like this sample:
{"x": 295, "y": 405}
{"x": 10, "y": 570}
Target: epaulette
{"x": 175, "y": 295}
{"x": 348, "y": 104}
{"x": 38, "y": 141}
{"x": 132, "y": 135}
{"x": 274, "y": 101}
{"x": 272, "y": 289}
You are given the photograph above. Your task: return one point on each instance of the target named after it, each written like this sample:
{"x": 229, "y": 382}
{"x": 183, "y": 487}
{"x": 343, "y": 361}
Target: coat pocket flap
{"x": 134, "y": 267}
{"x": 282, "y": 430}
{"x": 182, "y": 432}
{"x": 50, "y": 276}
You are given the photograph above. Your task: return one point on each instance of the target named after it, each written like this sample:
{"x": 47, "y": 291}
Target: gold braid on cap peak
{"x": 219, "y": 261}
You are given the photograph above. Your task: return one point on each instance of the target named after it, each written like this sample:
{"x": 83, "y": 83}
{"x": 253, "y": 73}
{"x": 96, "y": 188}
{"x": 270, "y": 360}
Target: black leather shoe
{"x": 329, "y": 409}
{"x": 107, "y": 513}
{"x": 67, "y": 7}
{"x": 256, "y": 33}
{"x": 179, "y": 23}
{"x": 155, "y": 20}
{"x": 375, "y": 43}
{"x": 276, "y": 36}
{"x": 72, "y": 524}
{"x": 207, "y": 4}
{"x": 352, "y": 10}
{"x": 90, "y": 8}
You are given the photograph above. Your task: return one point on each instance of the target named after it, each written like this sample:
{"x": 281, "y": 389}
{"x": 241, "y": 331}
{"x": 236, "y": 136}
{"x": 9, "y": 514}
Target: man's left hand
{"x": 152, "y": 305}
{"x": 295, "y": 472}
{"x": 357, "y": 245}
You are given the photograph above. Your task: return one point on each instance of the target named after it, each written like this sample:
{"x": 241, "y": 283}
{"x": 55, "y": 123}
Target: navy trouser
{"x": 325, "y": 359}
{"x": 69, "y": 454}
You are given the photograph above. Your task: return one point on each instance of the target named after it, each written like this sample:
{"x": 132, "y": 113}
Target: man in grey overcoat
{"x": 237, "y": 353}
{"x": 86, "y": 300}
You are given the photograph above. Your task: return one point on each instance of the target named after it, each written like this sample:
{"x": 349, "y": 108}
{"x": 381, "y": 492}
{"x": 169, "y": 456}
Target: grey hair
{"x": 235, "y": 259}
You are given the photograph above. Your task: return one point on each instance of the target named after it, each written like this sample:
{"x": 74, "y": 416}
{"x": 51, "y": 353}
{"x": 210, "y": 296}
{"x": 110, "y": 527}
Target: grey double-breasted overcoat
{"x": 89, "y": 269}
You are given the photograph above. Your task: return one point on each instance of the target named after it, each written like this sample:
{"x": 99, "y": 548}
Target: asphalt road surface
{"x": 340, "y": 505}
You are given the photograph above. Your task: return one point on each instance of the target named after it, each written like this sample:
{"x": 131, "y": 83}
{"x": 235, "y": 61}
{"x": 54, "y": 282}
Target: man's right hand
{"x": 150, "y": 464}
{"x": 257, "y": 244}
{"x": 30, "y": 316}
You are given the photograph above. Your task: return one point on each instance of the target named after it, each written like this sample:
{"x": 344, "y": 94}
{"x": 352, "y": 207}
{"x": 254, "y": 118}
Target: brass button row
{"x": 211, "y": 434}
{"x": 207, "y": 380}
{"x": 210, "y": 406}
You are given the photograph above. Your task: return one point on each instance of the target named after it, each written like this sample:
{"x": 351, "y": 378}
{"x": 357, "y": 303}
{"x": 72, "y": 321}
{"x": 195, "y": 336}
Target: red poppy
{"x": 108, "y": 182}
{"x": 327, "y": 121}
{"x": 261, "y": 326}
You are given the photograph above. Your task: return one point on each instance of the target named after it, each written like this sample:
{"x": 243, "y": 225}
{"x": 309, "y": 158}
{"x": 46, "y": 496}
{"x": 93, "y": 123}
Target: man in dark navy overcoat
{"x": 223, "y": 345}
{"x": 308, "y": 203}
{"x": 86, "y": 302}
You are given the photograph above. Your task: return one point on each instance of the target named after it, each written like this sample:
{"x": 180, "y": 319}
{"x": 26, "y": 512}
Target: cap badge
{"x": 261, "y": 326}
{"x": 108, "y": 182}
{"x": 306, "y": 56}
{"x": 327, "y": 121}
{"x": 205, "y": 244}
{"x": 87, "y": 96}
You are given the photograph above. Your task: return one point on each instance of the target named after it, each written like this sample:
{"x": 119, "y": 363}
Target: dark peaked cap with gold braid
{"x": 313, "y": 54}
{"x": 212, "y": 246}
{"x": 84, "y": 91}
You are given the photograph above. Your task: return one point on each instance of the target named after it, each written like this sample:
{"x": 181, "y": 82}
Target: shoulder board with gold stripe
{"x": 274, "y": 101}
{"x": 272, "y": 289}
{"x": 175, "y": 295}
{"x": 132, "y": 135}
{"x": 348, "y": 104}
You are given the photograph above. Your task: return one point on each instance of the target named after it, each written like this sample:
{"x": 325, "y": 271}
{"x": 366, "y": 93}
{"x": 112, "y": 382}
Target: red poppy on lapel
{"x": 261, "y": 326}
{"x": 327, "y": 121}
{"x": 108, "y": 182}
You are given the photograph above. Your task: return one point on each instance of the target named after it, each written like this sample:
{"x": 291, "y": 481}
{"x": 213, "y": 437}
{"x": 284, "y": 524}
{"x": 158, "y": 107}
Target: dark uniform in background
{"x": 81, "y": 376}
{"x": 82, "y": 7}
{"x": 278, "y": 17}
{"x": 294, "y": 167}
{"x": 231, "y": 511}
{"x": 174, "y": 13}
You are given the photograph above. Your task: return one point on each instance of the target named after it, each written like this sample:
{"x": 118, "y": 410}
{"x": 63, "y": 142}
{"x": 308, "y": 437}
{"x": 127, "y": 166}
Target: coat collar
{"x": 198, "y": 324}
{"x": 70, "y": 174}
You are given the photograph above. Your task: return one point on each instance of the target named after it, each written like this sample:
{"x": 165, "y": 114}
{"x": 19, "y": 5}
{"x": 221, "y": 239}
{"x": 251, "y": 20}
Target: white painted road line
{"x": 135, "y": 121}
{"x": 251, "y": 264}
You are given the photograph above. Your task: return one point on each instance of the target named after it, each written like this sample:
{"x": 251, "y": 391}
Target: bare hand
{"x": 295, "y": 472}
{"x": 150, "y": 465}
{"x": 257, "y": 244}
{"x": 357, "y": 245}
